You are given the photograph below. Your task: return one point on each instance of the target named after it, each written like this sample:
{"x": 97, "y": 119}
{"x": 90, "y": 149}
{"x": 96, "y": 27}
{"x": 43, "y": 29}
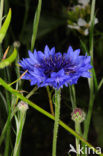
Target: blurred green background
{"x": 54, "y": 31}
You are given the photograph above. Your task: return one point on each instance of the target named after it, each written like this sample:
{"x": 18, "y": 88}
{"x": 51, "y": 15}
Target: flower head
{"x": 54, "y": 69}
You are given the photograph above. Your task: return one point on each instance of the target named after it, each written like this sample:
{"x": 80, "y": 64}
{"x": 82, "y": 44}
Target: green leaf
{"x": 5, "y": 26}
{"x": 35, "y": 24}
{"x": 9, "y": 60}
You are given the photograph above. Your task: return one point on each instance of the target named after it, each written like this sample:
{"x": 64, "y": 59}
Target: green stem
{"x": 77, "y": 125}
{"x": 19, "y": 132}
{"x": 1, "y": 11}
{"x": 50, "y": 100}
{"x": 77, "y": 128}
{"x": 32, "y": 92}
{"x": 6, "y": 127}
{"x": 88, "y": 119}
{"x": 92, "y": 80}
{"x": 4, "y": 131}
{"x": 91, "y": 101}
{"x": 72, "y": 96}
{"x": 56, "y": 123}
{"x": 17, "y": 69}
{"x": 92, "y": 18}
{"x": 42, "y": 111}
{"x": 7, "y": 141}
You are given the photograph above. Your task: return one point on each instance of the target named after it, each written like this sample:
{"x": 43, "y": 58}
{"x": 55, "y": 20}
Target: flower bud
{"x": 78, "y": 115}
{"x": 23, "y": 106}
{"x": 16, "y": 44}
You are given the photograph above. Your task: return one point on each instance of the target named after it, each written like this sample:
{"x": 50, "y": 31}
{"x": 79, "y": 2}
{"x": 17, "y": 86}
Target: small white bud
{"x": 23, "y": 106}
{"x": 16, "y": 44}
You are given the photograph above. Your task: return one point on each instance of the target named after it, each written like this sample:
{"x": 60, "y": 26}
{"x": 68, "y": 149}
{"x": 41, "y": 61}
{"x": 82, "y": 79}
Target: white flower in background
{"x": 81, "y": 22}
{"x": 77, "y": 16}
{"x": 74, "y": 26}
{"x": 82, "y": 26}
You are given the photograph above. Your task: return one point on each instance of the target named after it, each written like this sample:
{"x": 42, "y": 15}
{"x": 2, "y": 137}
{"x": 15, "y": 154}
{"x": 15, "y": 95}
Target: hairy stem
{"x": 56, "y": 123}
{"x": 77, "y": 128}
{"x": 91, "y": 101}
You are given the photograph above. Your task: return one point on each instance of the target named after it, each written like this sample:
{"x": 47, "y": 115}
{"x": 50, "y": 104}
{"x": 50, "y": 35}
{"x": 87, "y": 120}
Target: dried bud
{"x": 23, "y": 106}
{"x": 78, "y": 115}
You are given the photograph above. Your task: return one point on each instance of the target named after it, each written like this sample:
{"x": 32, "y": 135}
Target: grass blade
{"x": 5, "y": 26}
{"x": 35, "y": 24}
{"x": 100, "y": 84}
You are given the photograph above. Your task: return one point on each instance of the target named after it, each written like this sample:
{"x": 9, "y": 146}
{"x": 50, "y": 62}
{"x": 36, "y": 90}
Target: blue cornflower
{"x": 54, "y": 69}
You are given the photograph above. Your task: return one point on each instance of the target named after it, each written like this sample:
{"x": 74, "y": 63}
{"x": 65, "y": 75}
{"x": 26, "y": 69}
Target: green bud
{"x": 78, "y": 115}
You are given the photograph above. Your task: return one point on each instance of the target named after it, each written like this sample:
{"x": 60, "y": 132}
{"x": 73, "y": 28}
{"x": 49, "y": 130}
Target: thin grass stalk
{"x": 91, "y": 101}
{"x": 19, "y": 132}
{"x": 7, "y": 141}
{"x": 4, "y": 131}
{"x": 73, "y": 96}
{"x": 35, "y": 24}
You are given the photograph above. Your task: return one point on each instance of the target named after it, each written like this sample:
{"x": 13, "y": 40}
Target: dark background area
{"x": 53, "y": 31}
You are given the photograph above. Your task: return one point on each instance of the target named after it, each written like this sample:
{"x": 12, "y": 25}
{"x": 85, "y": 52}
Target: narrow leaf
{"x": 35, "y": 24}
{"x": 100, "y": 84}
{"x": 9, "y": 60}
{"x": 4, "y": 100}
{"x": 5, "y": 26}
